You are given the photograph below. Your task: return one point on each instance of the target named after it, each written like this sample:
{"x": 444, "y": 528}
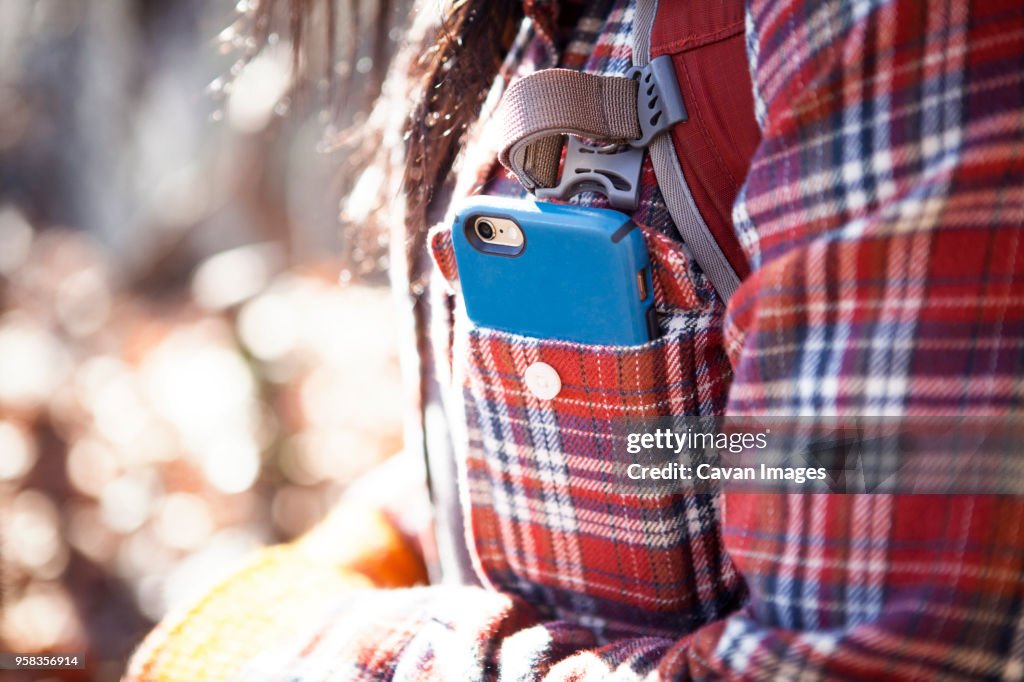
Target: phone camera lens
{"x": 485, "y": 230}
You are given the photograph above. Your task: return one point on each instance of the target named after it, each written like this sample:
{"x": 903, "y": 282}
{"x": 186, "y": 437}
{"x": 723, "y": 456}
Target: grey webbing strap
{"x": 540, "y": 110}
{"x": 621, "y": 114}
{"x": 681, "y": 206}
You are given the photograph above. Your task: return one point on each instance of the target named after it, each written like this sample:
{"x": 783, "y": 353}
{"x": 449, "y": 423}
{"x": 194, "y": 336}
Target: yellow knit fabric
{"x": 273, "y": 595}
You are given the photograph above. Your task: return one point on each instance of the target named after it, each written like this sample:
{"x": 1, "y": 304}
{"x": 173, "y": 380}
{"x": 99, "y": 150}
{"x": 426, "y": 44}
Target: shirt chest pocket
{"x": 541, "y": 432}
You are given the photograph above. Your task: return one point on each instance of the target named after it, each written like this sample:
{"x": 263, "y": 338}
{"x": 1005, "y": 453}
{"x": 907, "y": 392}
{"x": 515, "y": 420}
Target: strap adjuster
{"x": 614, "y": 170}
{"x": 659, "y": 102}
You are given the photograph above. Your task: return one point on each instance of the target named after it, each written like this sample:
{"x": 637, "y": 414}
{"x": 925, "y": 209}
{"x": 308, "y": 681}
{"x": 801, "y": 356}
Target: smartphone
{"x": 554, "y": 271}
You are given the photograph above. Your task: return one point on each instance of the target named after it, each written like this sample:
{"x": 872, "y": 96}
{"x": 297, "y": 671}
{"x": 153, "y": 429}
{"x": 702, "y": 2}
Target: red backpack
{"x": 688, "y": 101}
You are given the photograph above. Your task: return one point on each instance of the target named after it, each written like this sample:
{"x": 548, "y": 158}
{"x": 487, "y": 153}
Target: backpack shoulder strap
{"x": 705, "y": 42}
{"x": 539, "y": 110}
{"x": 622, "y": 115}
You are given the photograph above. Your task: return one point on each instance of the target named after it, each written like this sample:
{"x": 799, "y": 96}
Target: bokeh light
{"x": 182, "y": 376}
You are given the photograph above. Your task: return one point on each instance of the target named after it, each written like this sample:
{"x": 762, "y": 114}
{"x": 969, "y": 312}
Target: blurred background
{"x": 197, "y": 353}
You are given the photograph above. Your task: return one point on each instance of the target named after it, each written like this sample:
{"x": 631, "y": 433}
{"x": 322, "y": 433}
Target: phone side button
{"x": 652, "y": 323}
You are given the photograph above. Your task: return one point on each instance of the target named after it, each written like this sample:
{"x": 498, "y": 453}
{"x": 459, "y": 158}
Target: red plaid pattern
{"x": 883, "y": 214}
{"x": 883, "y": 217}
{"x": 544, "y": 522}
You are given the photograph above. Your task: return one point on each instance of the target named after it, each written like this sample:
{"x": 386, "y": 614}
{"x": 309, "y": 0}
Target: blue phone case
{"x": 583, "y": 274}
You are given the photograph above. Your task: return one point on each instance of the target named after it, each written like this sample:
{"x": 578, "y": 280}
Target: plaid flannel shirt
{"x": 882, "y": 216}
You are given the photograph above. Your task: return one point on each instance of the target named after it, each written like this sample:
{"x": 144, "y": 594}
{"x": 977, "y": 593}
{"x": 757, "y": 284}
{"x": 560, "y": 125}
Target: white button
{"x": 542, "y": 380}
